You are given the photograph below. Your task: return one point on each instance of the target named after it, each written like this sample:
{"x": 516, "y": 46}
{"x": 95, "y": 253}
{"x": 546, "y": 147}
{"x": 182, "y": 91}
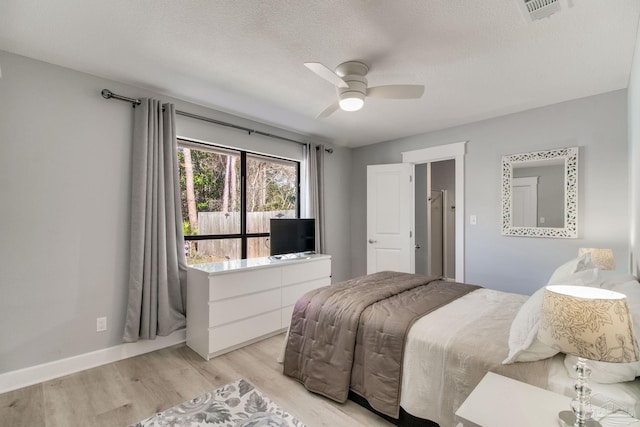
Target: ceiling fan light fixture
{"x": 352, "y": 86}
{"x": 351, "y": 101}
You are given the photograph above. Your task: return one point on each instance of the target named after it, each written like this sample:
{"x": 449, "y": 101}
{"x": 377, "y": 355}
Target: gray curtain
{"x": 157, "y": 274}
{"x": 314, "y": 159}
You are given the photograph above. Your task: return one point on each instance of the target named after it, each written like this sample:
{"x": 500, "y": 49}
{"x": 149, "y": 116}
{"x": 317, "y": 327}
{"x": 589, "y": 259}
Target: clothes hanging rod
{"x": 107, "y": 94}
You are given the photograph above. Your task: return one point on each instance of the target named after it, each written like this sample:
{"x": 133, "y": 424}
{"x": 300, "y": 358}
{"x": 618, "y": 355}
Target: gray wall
{"x": 64, "y": 216}
{"x": 598, "y": 125}
{"x": 337, "y": 207}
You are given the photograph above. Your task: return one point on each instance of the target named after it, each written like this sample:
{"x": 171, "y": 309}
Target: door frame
{"x": 455, "y": 151}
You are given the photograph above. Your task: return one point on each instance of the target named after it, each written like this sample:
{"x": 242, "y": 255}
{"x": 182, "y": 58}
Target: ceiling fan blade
{"x": 328, "y": 111}
{"x": 396, "y": 91}
{"x": 326, "y": 74}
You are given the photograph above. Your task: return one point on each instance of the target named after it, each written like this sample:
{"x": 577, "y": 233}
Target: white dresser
{"x": 234, "y": 303}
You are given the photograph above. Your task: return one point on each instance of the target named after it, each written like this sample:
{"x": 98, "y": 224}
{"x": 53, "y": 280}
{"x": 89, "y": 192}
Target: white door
{"x": 390, "y": 218}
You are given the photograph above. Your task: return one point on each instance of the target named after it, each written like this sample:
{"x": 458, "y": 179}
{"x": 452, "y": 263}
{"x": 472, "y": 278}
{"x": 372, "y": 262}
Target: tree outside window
{"x": 223, "y": 219}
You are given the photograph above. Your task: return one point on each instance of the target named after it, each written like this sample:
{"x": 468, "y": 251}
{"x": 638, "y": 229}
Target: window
{"x": 228, "y": 198}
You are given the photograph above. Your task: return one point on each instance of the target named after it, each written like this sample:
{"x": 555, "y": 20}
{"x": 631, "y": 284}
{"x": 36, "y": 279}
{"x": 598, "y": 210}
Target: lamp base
{"x": 568, "y": 419}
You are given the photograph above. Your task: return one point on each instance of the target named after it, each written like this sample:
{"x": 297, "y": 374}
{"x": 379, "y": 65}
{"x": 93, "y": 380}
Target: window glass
{"x": 222, "y": 219}
{"x": 213, "y": 250}
{"x": 272, "y": 191}
{"x": 258, "y": 247}
{"x": 210, "y": 187}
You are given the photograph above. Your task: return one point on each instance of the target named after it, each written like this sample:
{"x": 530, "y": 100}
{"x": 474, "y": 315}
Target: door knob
{"x": 373, "y": 241}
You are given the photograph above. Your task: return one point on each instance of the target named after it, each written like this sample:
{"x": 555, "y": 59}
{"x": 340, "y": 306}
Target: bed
{"x": 445, "y": 347}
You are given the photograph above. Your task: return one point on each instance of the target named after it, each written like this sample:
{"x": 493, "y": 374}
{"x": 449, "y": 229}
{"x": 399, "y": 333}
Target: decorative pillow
{"x": 609, "y": 373}
{"x": 524, "y": 345}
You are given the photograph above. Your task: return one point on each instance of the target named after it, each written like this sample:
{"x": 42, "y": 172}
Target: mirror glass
{"x": 539, "y": 193}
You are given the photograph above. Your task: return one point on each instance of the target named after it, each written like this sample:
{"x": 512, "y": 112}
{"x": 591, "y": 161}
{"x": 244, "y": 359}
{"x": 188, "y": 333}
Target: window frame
{"x": 243, "y": 235}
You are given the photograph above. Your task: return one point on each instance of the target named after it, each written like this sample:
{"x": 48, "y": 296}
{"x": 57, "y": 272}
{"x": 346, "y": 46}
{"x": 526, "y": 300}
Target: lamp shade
{"x": 591, "y": 323}
{"x": 602, "y": 258}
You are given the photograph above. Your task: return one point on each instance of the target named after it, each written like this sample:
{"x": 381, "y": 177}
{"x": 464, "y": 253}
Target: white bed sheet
{"x": 423, "y": 384}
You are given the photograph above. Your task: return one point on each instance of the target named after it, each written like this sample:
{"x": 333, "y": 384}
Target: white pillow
{"x": 609, "y": 373}
{"x": 588, "y": 277}
{"x": 524, "y": 345}
{"x": 610, "y": 282}
{"x": 580, "y": 263}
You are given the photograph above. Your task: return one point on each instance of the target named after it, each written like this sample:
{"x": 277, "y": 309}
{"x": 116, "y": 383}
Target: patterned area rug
{"x": 238, "y": 404}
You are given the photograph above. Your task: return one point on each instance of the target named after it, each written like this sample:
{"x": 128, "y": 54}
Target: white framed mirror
{"x": 540, "y": 194}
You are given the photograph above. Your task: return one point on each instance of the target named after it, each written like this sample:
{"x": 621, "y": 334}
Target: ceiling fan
{"x": 351, "y": 83}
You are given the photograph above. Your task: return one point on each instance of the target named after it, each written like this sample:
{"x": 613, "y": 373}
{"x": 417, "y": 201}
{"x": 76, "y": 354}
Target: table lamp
{"x": 590, "y": 323}
{"x": 602, "y": 258}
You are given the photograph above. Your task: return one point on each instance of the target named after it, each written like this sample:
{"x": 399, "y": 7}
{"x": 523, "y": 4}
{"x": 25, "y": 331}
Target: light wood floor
{"x": 128, "y": 391}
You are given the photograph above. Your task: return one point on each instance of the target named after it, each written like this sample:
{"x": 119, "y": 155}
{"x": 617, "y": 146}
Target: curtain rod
{"x": 107, "y": 94}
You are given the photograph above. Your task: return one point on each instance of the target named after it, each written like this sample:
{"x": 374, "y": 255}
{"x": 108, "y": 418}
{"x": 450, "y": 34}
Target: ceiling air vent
{"x": 538, "y": 9}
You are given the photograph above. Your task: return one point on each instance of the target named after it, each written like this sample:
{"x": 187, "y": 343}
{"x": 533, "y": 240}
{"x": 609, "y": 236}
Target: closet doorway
{"x": 435, "y": 219}
{"x": 456, "y": 152}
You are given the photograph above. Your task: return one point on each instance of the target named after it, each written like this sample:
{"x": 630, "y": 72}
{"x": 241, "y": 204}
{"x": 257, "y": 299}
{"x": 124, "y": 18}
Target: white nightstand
{"x": 499, "y": 401}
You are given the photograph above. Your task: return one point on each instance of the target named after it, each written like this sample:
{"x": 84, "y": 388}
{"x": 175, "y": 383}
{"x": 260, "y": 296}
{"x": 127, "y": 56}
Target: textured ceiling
{"x": 477, "y": 59}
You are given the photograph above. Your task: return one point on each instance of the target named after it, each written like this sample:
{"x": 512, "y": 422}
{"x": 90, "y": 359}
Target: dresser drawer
{"x": 231, "y": 304}
{"x": 305, "y": 271}
{"x": 230, "y": 310}
{"x": 233, "y": 284}
{"x": 232, "y": 334}
{"x": 291, "y": 293}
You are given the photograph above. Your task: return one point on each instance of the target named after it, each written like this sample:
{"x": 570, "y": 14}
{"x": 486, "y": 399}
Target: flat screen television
{"x": 291, "y": 235}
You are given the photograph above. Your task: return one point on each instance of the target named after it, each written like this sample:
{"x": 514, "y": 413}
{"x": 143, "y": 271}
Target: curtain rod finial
{"x": 328, "y": 150}
{"x": 106, "y": 93}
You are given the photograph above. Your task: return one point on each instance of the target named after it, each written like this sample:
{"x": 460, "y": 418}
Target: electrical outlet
{"x": 101, "y": 324}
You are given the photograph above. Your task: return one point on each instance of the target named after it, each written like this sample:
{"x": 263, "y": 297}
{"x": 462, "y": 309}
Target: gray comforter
{"x": 351, "y": 335}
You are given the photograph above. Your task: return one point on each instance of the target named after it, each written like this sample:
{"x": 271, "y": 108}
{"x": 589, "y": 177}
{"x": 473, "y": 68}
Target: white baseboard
{"x": 47, "y": 371}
